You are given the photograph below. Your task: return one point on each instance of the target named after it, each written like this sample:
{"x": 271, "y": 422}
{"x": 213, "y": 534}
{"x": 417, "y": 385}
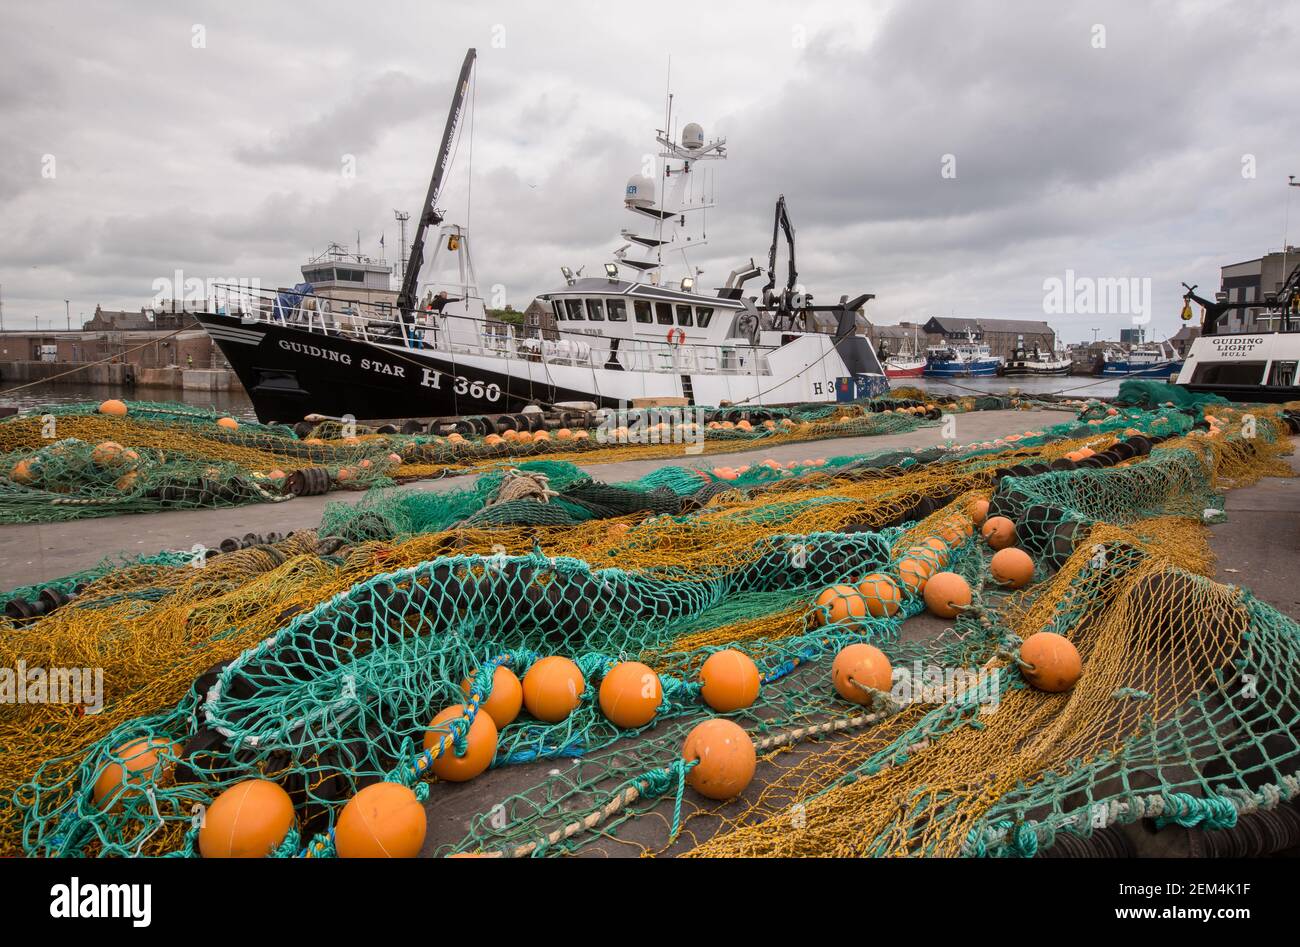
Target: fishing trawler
{"x": 906, "y": 363}
{"x": 1150, "y": 360}
{"x": 1036, "y": 362}
{"x": 968, "y": 359}
{"x": 630, "y": 337}
{"x": 1250, "y": 366}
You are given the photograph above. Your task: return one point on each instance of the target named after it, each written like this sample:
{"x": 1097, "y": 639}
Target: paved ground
{"x": 1259, "y": 545}
{"x": 43, "y": 551}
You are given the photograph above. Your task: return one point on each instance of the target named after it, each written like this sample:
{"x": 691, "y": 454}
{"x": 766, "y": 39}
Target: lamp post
{"x": 67, "y": 314}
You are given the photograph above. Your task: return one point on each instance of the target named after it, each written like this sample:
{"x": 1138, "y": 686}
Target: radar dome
{"x": 692, "y": 136}
{"x": 640, "y": 191}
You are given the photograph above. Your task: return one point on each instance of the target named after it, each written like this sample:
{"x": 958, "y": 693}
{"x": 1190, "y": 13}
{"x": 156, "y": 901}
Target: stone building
{"x": 1002, "y": 336}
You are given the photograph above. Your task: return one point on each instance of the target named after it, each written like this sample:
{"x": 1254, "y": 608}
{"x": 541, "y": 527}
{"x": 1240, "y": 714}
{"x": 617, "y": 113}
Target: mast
{"x": 429, "y": 215}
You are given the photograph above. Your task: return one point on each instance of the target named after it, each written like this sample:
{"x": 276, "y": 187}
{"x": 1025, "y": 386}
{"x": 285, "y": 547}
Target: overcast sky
{"x": 1091, "y": 137}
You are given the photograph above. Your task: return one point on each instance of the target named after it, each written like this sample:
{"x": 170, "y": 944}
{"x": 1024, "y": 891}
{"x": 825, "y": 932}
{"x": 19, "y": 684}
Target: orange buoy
{"x": 276, "y": 474}
{"x": 384, "y": 820}
{"x": 937, "y": 547}
{"x": 107, "y": 453}
{"x": 630, "y": 695}
{"x": 541, "y": 436}
{"x": 251, "y": 819}
{"x": 553, "y": 688}
{"x": 344, "y": 474}
{"x": 134, "y": 765}
{"x": 113, "y": 408}
{"x": 507, "y": 696}
{"x": 914, "y": 572}
{"x": 842, "y": 602}
{"x": 126, "y": 482}
{"x": 230, "y": 424}
{"x": 946, "y": 594}
{"x": 1054, "y": 663}
{"x": 1011, "y": 567}
{"x": 729, "y": 680}
{"x": 999, "y": 531}
{"x": 481, "y": 744}
{"x": 862, "y": 664}
{"x": 725, "y": 473}
{"x": 882, "y": 595}
{"x": 24, "y": 471}
{"x": 726, "y": 759}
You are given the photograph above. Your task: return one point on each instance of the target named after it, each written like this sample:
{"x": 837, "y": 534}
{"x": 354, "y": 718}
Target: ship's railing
{"x": 465, "y": 334}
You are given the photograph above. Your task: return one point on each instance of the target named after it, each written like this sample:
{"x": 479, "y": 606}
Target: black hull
{"x": 290, "y": 373}
{"x": 1249, "y": 394}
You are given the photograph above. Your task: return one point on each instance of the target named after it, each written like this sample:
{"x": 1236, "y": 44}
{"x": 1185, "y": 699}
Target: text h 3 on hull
{"x": 628, "y": 337}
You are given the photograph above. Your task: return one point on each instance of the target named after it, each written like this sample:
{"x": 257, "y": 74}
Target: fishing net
{"x": 319, "y": 661}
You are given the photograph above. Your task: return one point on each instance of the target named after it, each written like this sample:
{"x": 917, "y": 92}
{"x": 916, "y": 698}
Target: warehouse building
{"x": 1002, "y": 336}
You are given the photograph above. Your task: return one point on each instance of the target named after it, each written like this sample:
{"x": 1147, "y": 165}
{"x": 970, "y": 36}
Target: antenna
{"x": 402, "y": 218}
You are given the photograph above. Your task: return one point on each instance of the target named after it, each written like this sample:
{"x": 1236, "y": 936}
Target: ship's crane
{"x": 782, "y": 303}
{"x": 430, "y": 216}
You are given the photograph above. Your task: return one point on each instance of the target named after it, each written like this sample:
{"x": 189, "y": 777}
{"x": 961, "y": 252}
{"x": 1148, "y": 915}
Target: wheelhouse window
{"x": 595, "y": 310}
{"x": 617, "y": 310}
{"x": 684, "y": 317}
{"x": 574, "y": 307}
{"x": 1228, "y": 373}
{"x": 703, "y": 315}
{"x": 664, "y": 314}
{"x": 559, "y": 310}
{"x": 642, "y": 310}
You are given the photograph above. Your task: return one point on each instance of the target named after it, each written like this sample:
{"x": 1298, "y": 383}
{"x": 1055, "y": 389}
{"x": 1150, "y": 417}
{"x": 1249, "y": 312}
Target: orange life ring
{"x": 676, "y": 336}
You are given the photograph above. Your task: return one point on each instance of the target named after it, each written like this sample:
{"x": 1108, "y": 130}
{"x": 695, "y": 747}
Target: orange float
{"x": 553, "y": 688}
{"x": 882, "y": 595}
{"x": 113, "y": 408}
{"x": 861, "y": 664}
{"x": 729, "y": 680}
{"x": 999, "y": 531}
{"x": 946, "y": 594}
{"x": 384, "y": 820}
{"x": 480, "y": 744}
{"x": 840, "y": 603}
{"x": 107, "y": 453}
{"x": 726, "y": 759}
{"x": 914, "y": 572}
{"x": 251, "y": 819}
{"x": 1053, "y": 662}
{"x": 1012, "y": 567}
{"x": 630, "y": 695}
{"x": 507, "y": 696}
{"x": 937, "y": 548}
{"x": 23, "y": 472}
{"x": 229, "y": 424}
{"x": 134, "y": 765}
